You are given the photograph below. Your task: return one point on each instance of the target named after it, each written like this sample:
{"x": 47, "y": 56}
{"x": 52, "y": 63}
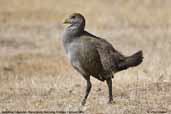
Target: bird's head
{"x": 75, "y": 19}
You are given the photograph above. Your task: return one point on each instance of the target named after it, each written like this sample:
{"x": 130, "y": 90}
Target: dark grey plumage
{"x": 94, "y": 56}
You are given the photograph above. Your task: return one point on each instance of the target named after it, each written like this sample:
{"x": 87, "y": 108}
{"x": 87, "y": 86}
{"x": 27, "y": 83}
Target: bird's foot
{"x": 83, "y": 102}
{"x": 111, "y": 101}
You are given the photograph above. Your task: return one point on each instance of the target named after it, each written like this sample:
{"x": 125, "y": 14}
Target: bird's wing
{"x": 86, "y": 56}
{"x": 109, "y": 56}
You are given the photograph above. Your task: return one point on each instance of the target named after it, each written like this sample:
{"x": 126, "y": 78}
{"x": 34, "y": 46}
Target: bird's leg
{"x": 88, "y": 88}
{"x": 109, "y": 84}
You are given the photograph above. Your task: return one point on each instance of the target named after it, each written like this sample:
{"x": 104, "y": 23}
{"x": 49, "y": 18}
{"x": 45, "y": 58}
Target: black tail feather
{"x": 131, "y": 61}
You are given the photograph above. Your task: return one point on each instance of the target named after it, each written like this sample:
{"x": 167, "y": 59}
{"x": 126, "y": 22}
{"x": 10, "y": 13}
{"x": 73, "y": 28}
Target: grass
{"x": 35, "y": 75}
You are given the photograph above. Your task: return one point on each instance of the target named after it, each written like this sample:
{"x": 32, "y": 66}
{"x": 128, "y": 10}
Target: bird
{"x": 93, "y": 56}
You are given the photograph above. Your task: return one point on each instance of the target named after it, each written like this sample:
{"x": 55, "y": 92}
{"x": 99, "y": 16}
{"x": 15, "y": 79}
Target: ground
{"x": 35, "y": 74}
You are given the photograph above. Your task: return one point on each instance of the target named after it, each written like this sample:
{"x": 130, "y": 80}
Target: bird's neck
{"x": 70, "y": 34}
{"x": 75, "y": 30}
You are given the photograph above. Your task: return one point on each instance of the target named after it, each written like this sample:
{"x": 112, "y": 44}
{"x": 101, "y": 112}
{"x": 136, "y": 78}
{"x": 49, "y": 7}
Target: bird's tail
{"x": 131, "y": 61}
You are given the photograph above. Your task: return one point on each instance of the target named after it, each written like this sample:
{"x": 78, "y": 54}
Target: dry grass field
{"x": 35, "y": 74}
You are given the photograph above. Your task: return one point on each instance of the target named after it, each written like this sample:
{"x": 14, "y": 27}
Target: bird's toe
{"x": 83, "y": 102}
{"x": 111, "y": 101}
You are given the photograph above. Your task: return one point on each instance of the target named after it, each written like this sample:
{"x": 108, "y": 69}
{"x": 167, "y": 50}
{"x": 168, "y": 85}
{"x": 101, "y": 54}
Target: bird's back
{"x": 110, "y": 58}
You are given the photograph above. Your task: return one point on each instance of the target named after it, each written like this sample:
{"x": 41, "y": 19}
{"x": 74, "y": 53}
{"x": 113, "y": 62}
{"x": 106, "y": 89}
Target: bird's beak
{"x": 66, "y": 21}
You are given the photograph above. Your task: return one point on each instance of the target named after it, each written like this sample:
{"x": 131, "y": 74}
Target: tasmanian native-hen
{"x": 93, "y": 56}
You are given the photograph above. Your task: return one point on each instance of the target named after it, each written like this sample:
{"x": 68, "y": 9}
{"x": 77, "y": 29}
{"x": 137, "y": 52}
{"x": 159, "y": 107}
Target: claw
{"x": 111, "y": 101}
{"x": 83, "y": 102}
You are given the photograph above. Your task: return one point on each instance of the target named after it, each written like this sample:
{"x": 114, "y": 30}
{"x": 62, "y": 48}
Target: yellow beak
{"x": 66, "y": 21}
